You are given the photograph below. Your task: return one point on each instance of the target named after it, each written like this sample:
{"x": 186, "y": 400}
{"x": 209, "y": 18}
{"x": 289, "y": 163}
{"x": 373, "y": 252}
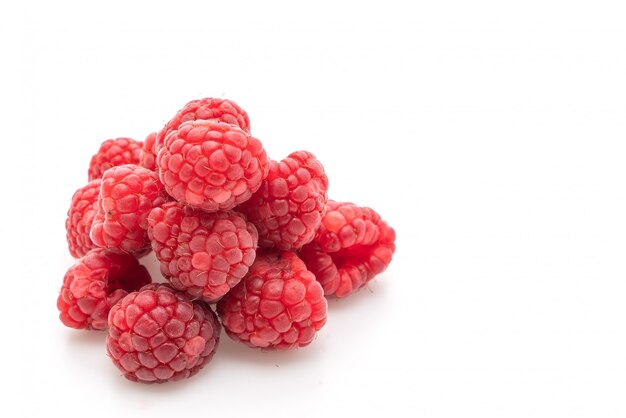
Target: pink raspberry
{"x": 204, "y": 254}
{"x": 211, "y": 165}
{"x": 352, "y": 246}
{"x": 221, "y": 110}
{"x": 95, "y": 283}
{"x": 112, "y": 153}
{"x": 80, "y": 217}
{"x": 288, "y": 208}
{"x": 127, "y": 195}
{"x": 158, "y": 335}
{"x": 147, "y": 158}
{"x": 279, "y": 304}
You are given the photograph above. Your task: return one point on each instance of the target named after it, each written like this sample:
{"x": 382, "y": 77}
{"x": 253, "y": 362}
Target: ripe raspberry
{"x": 127, "y": 195}
{"x": 147, "y": 159}
{"x": 279, "y": 304}
{"x": 211, "y": 165}
{"x": 204, "y": 254}
{"x": 221, "y": 110}
{"x": 352, "y": 246}
{"x": 95, "y": 283}
{"x": 158, "y": 335}
{"x": 288, "y": 208}
{"x": 112, "y": 153}
{"x": 80, "y": 217}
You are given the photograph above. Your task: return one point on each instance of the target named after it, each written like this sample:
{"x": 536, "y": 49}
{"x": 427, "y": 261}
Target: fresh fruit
{"x": 203, "y": 254}
{"x": 221, "y": 110}
{"x": 257, "y": 237}
{"x": 279, "y": 304}
{"x": 95, "y": 283}
{"x": 112, "y": 153}
{"x": 288, "y": 208}
{"x": 147, "y": 159}
{"x": 80, "y": 218}
{"x": 352, "y": 246}
{"x": 127, "y": 195}
{"x": 211, "y": 165}
{"x": 158, "y": 335}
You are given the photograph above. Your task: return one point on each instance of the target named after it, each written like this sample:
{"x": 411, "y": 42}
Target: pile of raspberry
{"x": 244, "y": 242}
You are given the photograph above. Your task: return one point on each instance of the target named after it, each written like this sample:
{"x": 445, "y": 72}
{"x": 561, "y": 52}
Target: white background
{"x": 490, "y": 134}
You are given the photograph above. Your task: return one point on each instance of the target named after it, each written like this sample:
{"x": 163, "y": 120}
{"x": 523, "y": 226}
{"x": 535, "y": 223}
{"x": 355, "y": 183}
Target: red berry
{"x": 80, "y": 217}
{"x": 114, "y": 152}
{"x": 158, "y": 335}
{"x": 352, "y": 245}
{"x": 204, "y": 254}
{"x": 221, "y": 110}
{"x": 288, "y": 208}
{"x": 95, "y": 283}
{"x": 279, "y": 304}
{"x": 127, "y": 195}
{"x": 211, "y": 165}
{"x": 147, "y": 159}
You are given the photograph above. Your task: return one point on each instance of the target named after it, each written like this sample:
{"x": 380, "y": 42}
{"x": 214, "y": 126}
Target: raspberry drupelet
{"x": 80, "y": 218}
{"x": 279, "y": 304}
{"x": 211, "y": 165}
{"x": 203, "y": 254}
{"x": 127, "y": 195}
{"x": 112, "y": 153}
{"x": 95, "y": 283}
{"x": 352, "y": 246}
{"x": 288, "y": 208}
{"x": 158, "y": 335}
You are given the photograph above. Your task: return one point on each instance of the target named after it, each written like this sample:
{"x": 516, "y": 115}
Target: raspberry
{"x": 208, "y": 108}
{"x": 95, "y": 283}
{"x": 288, "y": 207}
{"x": 279, "y": 304}
{"x": 204, "y": 254}
{"x": 352, "y": 246}
{"x": 80, "y": 217}
{"x": 127, "y": 195}
{"x": 158, "y": 335}
{"x": 112, "y": 153}
{"x": 147, "y": 159}
{"x": 211, "y": 165}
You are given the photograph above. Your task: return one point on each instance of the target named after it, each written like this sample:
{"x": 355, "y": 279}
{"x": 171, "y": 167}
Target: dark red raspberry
{"x": 114, "y": 152}
{"x": 221, "y": 110}
{"x": 279, "y": 304}
{"x": 80, "y": 217}
{"x": 95, "y": 283}
{"x": 204, "y": 254}
{"x": 211, "y": 165}
{"x": 158, "y": 335}
{"x": 352, "y": 246}
{"x": 127, "y": 195}
{"x": 288, "y": 208}
{"x": 147, "y": 159}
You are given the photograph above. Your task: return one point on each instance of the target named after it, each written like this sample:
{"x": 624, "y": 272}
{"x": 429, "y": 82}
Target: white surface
{"x": 489, "y": 134}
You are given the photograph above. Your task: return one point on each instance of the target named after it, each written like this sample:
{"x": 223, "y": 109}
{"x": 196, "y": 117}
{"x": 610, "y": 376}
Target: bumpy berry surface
{"x": 95, "y": 283}
{"x": 158, "y": 335}
{"x": 352, "y": 245}
{"x": 279, "y": 304}
{"x": 80, "y": 217}
{"x": 147, "y": 159}
{"x": 288, "y": 208}
{"x": 204, "y": 254}
{"x": 127, "y": 195}
{"x": 114, "y": 152}
{"x": 221, "y": 110}
{"x": 211, "y": 165}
